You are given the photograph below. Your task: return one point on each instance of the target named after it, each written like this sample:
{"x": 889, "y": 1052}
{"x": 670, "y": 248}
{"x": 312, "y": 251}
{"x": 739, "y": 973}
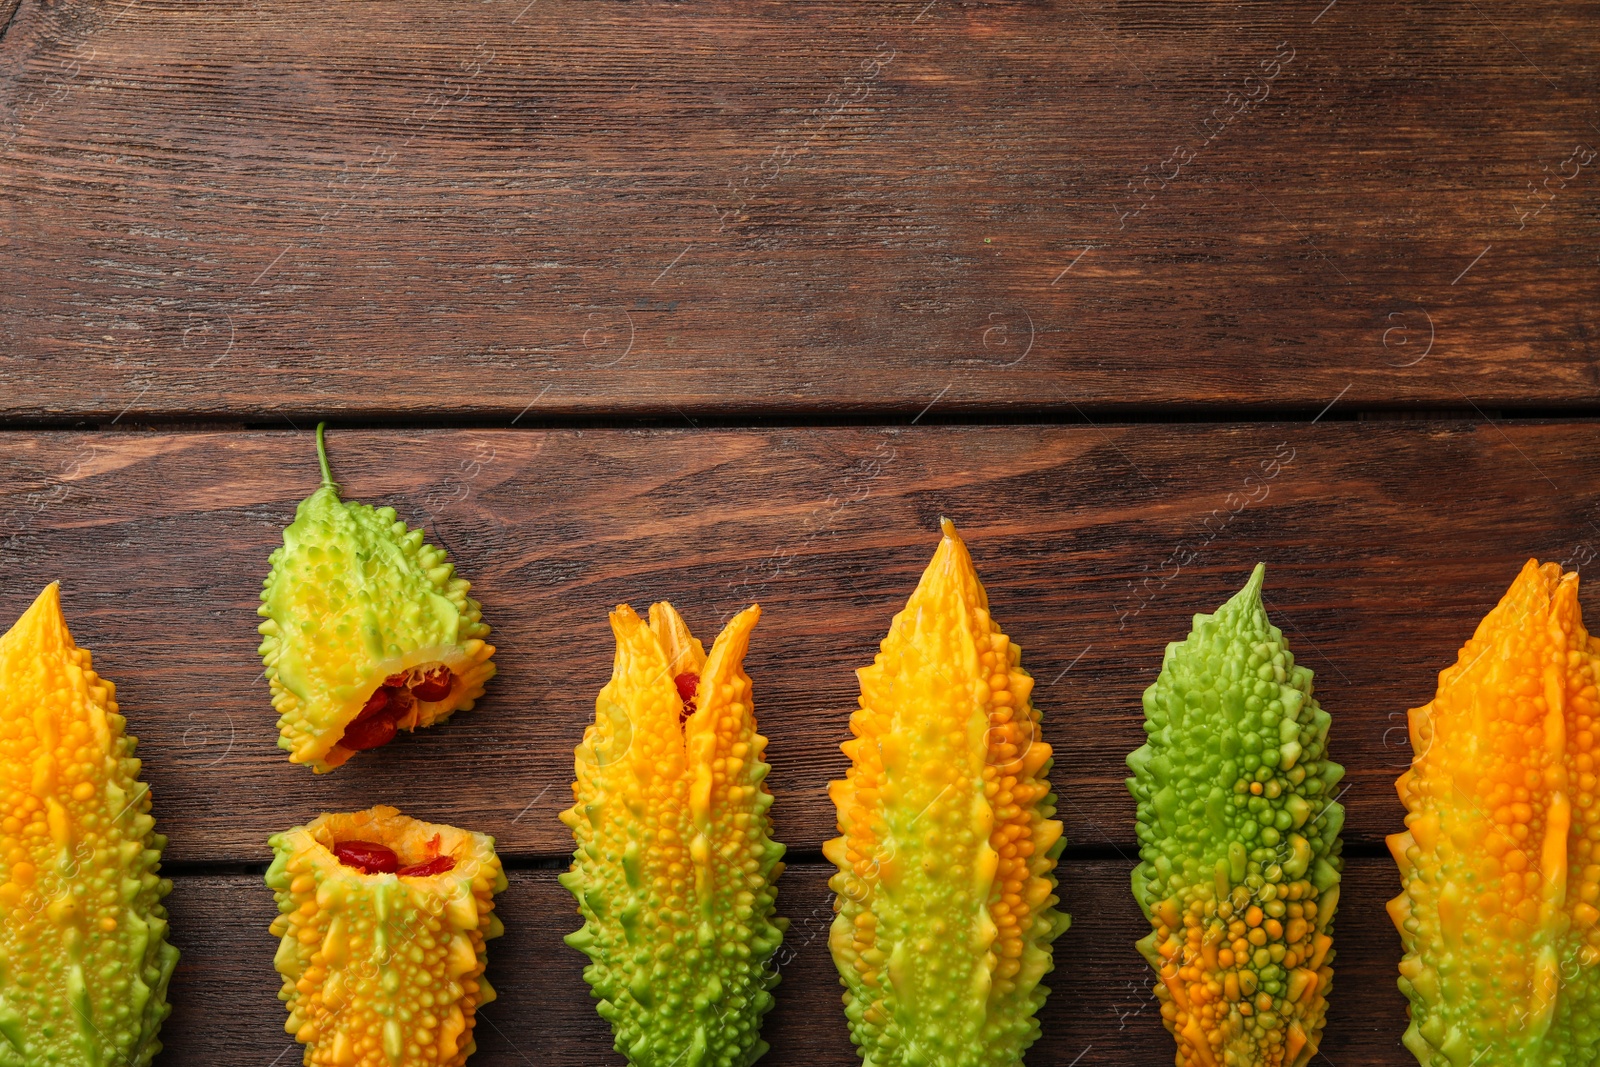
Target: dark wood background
{"x": 729, "y": 300}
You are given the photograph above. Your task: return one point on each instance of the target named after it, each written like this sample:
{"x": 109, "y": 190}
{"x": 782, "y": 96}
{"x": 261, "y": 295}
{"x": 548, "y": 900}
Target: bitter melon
{"x": 367, "y": 630}
{"x": 945, "y": 895}
{"x": 382, "y": 921}
{"x": 1498, "y": 863}
{"x": 84, "y": 960}
{"x": 1238, "y": 842}
{"x": 674, "y": 869}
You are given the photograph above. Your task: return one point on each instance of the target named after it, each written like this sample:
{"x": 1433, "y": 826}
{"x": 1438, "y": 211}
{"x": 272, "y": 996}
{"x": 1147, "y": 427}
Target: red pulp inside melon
{"x": 377, "y": 723}
{"x": 367, "y": 857}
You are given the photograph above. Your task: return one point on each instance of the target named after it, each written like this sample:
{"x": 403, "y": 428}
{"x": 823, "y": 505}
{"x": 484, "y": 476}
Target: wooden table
{"x": 730, "y": 300}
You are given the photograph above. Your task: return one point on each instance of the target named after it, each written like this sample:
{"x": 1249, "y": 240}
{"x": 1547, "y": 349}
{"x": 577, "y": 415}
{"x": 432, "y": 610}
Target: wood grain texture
{"x": 226, "y": 1011}
{"x": 1386, "y": 543}
{"x": 567, "y": 208}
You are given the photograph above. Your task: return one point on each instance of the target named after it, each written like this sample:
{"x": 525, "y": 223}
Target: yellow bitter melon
{"x": 382, "y": 921}
{"x": 84, "y": 961}
{"x": 674, "y": 871}
{"x": 945, "y": 895}
{"x": 1499, "y": 910}
{"x": 367, "y": 630}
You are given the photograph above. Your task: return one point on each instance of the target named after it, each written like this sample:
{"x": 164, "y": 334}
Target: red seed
{"x": 367, "y": 857}
{"x": 401, "y": 705}
{"x": 435, "y": 685}
{"x": 687, "y": 682}
{"x": 437, "y": 865}
{"x": 397, "y": 681}
{"x": 376, "y": 704}
{"x": 368, "y": 733}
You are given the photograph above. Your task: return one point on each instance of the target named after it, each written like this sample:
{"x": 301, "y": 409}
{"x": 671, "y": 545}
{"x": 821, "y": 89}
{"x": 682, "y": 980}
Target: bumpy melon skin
{"x": 675, "y": 870}
{"x": 353, "y": 596}
{"x": 84, "y": 961}
{"x": 945, "y": 896}
{"x": 1240, "y": 886}
{"x": 1498, "y": 863}
{"x": 381, "y": 970}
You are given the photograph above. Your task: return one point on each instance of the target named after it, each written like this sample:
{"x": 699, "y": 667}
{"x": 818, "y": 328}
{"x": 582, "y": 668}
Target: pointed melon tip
{"x": 1247, "y": 599}
{"x": 43, "y": 622}
{"x": 1258, "y": 578}
{"x": 49, "y": 597}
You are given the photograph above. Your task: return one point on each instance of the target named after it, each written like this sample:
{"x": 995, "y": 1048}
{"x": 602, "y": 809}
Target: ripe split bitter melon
{"x": 945, "y": 895}
{"x": 674, "y": 870}
{"x": 367, "y": 630}
{"x": 1239, "y": 843}
{"x": 383, "y": 921}
{"x": 84, "y": 961}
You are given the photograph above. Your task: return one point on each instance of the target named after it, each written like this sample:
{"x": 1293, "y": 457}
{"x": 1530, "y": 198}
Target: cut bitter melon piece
{"x": 84, "y": 960}
{"x": 384, "y": 968}
{"x": 368, "y": 631}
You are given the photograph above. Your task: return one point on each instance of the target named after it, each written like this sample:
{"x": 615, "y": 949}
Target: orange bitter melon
{"x": 945, "y": 894}
{"x": 1499, "y": 913}
{"x": 382, "y": 921}
{"x": 675, "y": 869}
{"x": 1238, "y": 842}
{"x": 84, "y": 960}
{"x": 368, "y": 630}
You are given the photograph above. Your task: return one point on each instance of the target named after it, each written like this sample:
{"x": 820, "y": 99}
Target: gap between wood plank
{"x": 818, "y": 420}
{"x": 1079, "y": 854}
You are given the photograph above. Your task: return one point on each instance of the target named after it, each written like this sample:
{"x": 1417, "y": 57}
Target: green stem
{"x": 322, "y": 458}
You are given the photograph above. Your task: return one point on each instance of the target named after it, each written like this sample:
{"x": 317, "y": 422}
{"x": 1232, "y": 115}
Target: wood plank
{"x": 1386, "y": 543}
{"x": 486, "y": 210}
{"x": 226, "y": 1009}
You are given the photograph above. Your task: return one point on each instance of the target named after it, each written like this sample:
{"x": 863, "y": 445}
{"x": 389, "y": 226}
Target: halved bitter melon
{"x": 368, "y": 631}
{"x": 382, "y": 921}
